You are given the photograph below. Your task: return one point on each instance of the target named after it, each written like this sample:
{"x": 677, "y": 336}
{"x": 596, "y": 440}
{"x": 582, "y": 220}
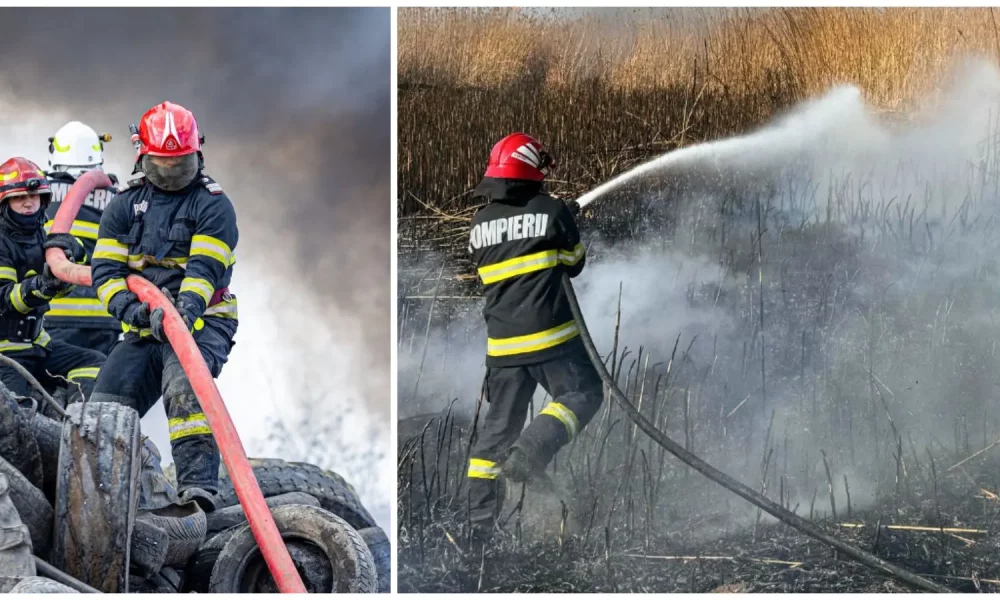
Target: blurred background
{"x": 295, "y": 108}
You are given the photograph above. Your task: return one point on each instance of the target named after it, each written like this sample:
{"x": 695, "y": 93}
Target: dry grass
{"x": 608, "y": 93}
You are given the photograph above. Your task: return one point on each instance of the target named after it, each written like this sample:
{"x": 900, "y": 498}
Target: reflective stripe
{"x": 43, "y": 339}
{"x": 206, "y": 245}
{"x": 195, "y": 424}
{"x": 83, "y": 373}
{"x": 225, "y": 309}
{"x": 480, "y": 468}
{"x": 110, "y": 249}
{"x": 532, "y": 343}
{"x": 199, "y": 286}
{"x": 518, "y": 266}
{"x": 77, "y": 307}
{"x": 109, "y": 288}
{"x": 8, "y": 273}
{"x": 18, "y": 300}
{"x": 571, "y": 258}
{"x": 81, "y": 229}
{"x": 565, "y": 415}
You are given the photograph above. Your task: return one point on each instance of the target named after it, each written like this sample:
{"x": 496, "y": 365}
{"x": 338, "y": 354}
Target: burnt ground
{"x": 772, "y": 559}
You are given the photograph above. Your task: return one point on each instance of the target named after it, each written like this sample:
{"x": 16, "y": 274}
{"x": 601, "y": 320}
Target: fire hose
{"x": 265, "y": 532}
{"x": 753, "y": 497}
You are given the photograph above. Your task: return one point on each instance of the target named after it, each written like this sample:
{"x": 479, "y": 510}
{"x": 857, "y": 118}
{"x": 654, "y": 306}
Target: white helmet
{"x": 76, "y": 149}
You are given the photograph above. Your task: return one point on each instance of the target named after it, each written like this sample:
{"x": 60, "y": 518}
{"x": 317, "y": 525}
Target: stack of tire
{"x": 95, "y": 503}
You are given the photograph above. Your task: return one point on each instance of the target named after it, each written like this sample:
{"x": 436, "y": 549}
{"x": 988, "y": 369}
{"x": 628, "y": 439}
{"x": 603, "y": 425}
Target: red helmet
{"x": 168, "y": 129}
{"x": 20, "y": 177}
{"x": 519, "y": 156}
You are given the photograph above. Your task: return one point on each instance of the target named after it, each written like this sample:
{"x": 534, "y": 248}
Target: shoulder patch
{"x": 211, "y": 186}
{"x": 131, "y": 183}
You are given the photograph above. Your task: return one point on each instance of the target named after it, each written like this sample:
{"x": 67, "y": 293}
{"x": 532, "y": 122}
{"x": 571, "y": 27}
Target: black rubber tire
{"x": 41, "y": 585}
{"x": 33, "y": 507}
{"x": 148, "y": 550}
{"x": 276, "y": 477}
{"x": 17, "y": 442}
{"x": 381, "y": 548}
{"x": 48, "y": 436}
{"x": 198, "y": 572}
{"x": 185, "y": 525}
{"x": 241, "y": 568}
{"x": 232, "y": 516}
{"x": 97, "y": 494}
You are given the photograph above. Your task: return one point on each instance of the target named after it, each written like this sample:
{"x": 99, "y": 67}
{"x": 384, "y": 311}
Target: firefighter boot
{"x": 194, "y": 449}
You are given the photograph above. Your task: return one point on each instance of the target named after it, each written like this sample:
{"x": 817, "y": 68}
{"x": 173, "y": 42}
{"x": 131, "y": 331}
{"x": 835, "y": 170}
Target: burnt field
{"x": 816, "y": 316}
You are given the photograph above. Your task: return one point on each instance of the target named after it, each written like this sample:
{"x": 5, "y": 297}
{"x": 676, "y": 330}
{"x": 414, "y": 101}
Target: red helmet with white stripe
{"x": 20, "y": 177}
{"x": 519, "y": 156}
{"x": 168, "y": 129}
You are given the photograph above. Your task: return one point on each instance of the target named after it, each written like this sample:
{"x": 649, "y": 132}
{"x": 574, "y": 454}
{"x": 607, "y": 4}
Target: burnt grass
{"x": 839, "y": 358}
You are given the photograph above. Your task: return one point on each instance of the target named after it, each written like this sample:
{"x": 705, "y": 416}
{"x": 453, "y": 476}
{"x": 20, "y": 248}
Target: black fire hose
{"x": 772, "y": 508}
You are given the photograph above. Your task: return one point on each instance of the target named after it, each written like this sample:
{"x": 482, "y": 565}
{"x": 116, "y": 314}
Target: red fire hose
{"x": 272, "y": 547}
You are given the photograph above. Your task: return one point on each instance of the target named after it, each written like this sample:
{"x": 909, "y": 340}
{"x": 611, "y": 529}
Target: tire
{"x": 17, "y": 442}
{"x": 198, "y": 573}
{"x": 148, "y": 550}
{"x": 381, "y": 549}
{"x": 185, "y": 526}
{"x": 97, "y": 494}
{"x": 32, "y": 506}
{"x": 276, "y": 477}
{"x": 15, "y": 551}
{"x": 231, "y": 516}
{"x": 156, "y": 490}
{"x": 48, "y": 436}
{"x": 41, "y": 585}
{"x": 348, "y": 566}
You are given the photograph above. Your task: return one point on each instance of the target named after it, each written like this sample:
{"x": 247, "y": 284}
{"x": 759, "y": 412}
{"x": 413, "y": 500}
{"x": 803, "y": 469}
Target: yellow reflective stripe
{"x": 43, "y": 339}
{"x": 565, "y": 415}
{"x": 81, "y": 229}
{"x": 532, "y": 343}
{"x": 518, "y": 266}
{"x": 570, "y": 258}
{"x": 226, "y": 309}
{"x": 195, "y": 424}
{"x": 480, "y": 468}
{"x": 9, "y": 346}
{"x": 76, "y": 307}
{"x": 199, "y": 286}
{"x": 8, "y": 273}
{"x": 206, "y": 245}
{"x": 109, "y": 288}
{"x": 111, "y": 249}
{"x": 18, "y": 300}
{"x": 83, "y": 373}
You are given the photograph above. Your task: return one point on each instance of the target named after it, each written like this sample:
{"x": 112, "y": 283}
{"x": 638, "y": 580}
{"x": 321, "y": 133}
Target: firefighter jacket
{"x": 80, "y": 309}
{"x": 182, "y": 241}
{"x": 521, "y": 244}
{"x": 22, "y": 303}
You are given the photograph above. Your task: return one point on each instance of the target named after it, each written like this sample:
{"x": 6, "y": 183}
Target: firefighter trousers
{"x": 101, "y": 340}
{"x": 577, "y": 392}
{"x": 138, "y": 372}
{"x": 58, "y": 361}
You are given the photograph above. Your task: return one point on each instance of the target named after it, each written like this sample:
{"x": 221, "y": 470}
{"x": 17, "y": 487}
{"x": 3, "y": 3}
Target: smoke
{"x": 295, "y": 107}
{"x": 870, "y": 243}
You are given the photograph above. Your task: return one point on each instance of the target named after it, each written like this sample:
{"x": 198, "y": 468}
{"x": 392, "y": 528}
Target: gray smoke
{"x": 295, "y": 107}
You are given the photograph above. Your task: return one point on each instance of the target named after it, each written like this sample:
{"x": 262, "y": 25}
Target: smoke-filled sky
{"x": 295, "y": 107}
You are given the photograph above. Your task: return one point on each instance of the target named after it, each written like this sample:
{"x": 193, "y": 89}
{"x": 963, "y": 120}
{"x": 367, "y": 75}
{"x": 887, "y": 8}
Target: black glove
{"x": 67, "y": 243}
{"x": 47, "y": 285}
{"x": 573, "y": 206}
{"x": 137, "y": 315}
{"x": 186, "y": 312}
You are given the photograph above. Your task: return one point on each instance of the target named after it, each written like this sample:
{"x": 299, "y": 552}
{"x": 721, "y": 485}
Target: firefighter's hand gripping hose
{"x": 269, "y": 540}
{"x": 772, "y": 508}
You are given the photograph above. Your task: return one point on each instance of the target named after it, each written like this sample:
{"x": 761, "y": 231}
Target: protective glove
{"x": 573, "y": 206}
{"x": 46, "y": 285}
{"x": 72, "y": 247}
{"x": 137, "y": 315}
{"x": 186, "y": 312}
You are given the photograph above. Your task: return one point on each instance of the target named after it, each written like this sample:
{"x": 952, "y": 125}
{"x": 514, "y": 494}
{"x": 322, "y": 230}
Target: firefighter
{"x": 174, "y": 226}
{"x": 522, "y": 241}
{"x": 79, "y": 318}
{"x": 27, "y": 287}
